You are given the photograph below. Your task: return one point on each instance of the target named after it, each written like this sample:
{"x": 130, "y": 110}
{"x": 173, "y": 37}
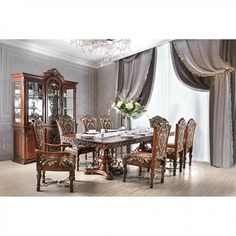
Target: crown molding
{"x": 52, "y": 53}
{"x": 154, "y": 43}
{"x": 48, "y": 52}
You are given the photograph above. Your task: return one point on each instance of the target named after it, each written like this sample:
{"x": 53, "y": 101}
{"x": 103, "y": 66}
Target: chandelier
{"x": 105, "y": 48}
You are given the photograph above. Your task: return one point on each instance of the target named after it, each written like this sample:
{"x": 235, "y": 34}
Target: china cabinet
{"x": 43, "y": 97}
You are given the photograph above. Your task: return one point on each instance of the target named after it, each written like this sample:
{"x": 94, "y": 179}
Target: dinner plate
{"x": 92, "y": 132}
{"x": 128, "y": 135}
{"x": 88, "y": 135}
{"x": 112, "y": 130}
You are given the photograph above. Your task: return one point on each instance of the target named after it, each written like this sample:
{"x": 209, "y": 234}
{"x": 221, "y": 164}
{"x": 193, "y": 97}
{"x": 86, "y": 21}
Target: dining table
{"x": 104, "y": 145}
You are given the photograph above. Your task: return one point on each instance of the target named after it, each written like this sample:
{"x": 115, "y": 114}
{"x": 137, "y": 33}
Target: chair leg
{"x": 163, "y": 170}
{"x": 190, "y": 156}
{"x": 112, "y": 153}
{"x": 180, "y": 162}
{"x": 175, "y": 165}
{"x": 184, "y": 160}
{"x": 125, "y": 172}
{"x": 44, "y": 176}
{"x": 94, "y": 156}
{"x": 86, "y": 156}
{"x": 152, "y": 174}
{"x": 38, "y": 180}
{"x": 140, "y": 171}
{"x": 78, "y": 162}
{"x": 148, "y": 169}
{"x": 72, "y": 177}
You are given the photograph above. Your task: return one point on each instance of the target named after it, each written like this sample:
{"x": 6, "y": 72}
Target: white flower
{"x": 120, "y": 104}
{"x": 129, "y": 106}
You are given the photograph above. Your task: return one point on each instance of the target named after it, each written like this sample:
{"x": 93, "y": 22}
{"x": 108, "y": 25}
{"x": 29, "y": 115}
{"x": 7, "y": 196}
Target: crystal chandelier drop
{"x": 106, "y": 48}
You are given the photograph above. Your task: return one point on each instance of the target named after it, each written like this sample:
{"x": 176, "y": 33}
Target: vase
{"x": 128, "y": 123}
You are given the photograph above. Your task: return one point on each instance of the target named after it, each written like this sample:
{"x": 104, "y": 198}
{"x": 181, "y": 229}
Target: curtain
{"x": 228, "y": 51}
{"x": 136, "y": 75}
{"x": 198, "y": 64}
{"x": 221, "y": 132}
{"x": 233, "y": 99}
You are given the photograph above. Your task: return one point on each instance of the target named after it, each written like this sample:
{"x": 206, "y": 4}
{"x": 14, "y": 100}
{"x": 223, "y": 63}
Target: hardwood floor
{"x": 199, "y": 180}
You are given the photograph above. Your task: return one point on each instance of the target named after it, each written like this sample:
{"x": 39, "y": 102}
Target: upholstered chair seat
{"x": 139, "y": 157}
{"x": 59, "y": 161}
{"x": 155, "y": 159}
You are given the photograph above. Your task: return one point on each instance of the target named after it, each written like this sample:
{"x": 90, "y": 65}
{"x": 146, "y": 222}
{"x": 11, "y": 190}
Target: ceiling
{"x": 63, "y": 49}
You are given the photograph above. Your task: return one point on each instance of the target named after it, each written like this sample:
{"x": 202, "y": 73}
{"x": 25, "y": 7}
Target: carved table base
{"x": 106, "y": 167}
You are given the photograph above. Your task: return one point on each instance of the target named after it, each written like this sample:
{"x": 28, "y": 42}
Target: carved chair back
{"x": 66, "y": 125}
{"x": 105, "y": 122}
{"x": 39, "y": 134}
{"x": 157, "y": 120}
{"x": 88, "y": 122}
{"x": 161, "y": 130}
{"x": 180, "y": 133}
{"x": 189, "y": 133}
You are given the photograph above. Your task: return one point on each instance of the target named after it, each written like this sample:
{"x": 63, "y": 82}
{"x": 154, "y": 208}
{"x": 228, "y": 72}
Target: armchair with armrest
{"x": 67, "y": 125}
{"x": 51, "y": 161}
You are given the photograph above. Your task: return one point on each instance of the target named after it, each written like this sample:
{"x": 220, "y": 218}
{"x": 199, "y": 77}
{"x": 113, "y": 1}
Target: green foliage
{"x": 129, "y": 108}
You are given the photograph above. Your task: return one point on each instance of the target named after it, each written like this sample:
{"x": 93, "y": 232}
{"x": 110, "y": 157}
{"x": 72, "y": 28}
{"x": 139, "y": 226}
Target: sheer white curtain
{"x": 172, "y": 99}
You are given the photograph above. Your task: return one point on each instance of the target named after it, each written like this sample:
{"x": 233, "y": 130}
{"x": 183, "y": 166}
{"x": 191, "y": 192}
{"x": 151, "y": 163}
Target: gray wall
{"x": 106, "y": 93}
{"x": 13, "y": 60}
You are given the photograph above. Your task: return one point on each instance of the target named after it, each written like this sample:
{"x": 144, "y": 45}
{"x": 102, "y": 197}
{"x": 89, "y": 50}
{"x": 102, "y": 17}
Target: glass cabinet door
{"x": 17, "y": 102}
{"x": 35, "y": 101}
{"x": 53, "y": 100}
{"x": 68, "y": 102}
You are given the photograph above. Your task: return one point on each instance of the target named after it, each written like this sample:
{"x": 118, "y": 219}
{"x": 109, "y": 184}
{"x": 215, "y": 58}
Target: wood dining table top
{"x": 114, "y": 141}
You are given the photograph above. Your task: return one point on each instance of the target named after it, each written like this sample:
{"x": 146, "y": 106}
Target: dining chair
{"x": 156, "y": 120}
{"x": 154, "y": 160}
{"x": 188, "y": 143}
{"x": 67, "y": 125}
{"x": 105, "y": 122}
{"x": 51, "y": 161}
{"x": 88, "y": 123}
{"x": 175, "y": 151}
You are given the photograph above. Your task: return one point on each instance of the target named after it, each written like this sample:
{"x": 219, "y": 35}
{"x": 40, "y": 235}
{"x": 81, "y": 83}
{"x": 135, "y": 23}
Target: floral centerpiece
{"x": 129, "y": 108}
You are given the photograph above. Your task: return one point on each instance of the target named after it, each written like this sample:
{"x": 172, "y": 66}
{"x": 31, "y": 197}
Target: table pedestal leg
{"x": 104, "y": 166}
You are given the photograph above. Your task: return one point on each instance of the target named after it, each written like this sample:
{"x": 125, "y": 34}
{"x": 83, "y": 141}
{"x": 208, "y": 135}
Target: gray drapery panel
{"x": 206, "y": 70}
{"x": 228, "y": 54}
{"x": 148, "y": 86}
{"x": 228, "y": 51}
{"x": 202, "y": 57}
{"x": 221, "y": 130}
{"x": 136, "y": 75}
{"x": 186, "y": 76}
{"x": 233, "y": 99}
